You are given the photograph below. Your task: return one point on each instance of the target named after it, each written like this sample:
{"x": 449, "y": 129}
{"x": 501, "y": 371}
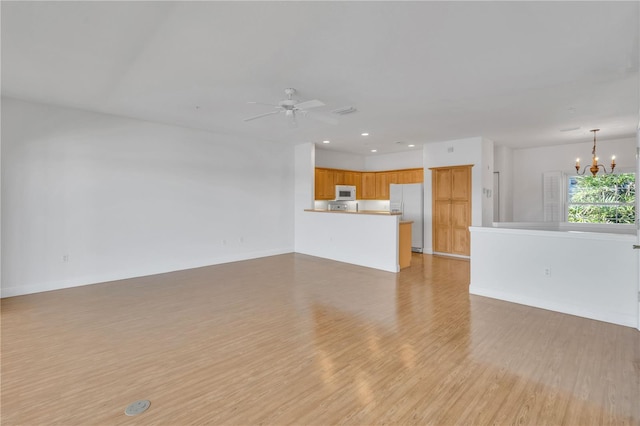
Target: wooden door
{"x": 451, "y": 209}
{"x": 460, "y": 183}
{"x": 460, "y": 222}
{"x": 442, "y": 226}
{"x": 442, "y": 184}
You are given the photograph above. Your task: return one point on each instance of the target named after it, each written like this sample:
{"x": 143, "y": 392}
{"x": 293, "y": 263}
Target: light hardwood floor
{"x": 294, "y": 339}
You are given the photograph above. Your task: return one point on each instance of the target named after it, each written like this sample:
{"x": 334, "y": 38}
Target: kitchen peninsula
{"x": 366, "y": 238}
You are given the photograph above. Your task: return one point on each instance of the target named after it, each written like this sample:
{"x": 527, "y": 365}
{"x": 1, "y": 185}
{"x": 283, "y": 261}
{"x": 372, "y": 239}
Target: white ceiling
{"x": 517, "y": 73}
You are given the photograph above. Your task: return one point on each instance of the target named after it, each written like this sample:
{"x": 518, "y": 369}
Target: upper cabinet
{"x": 324, "y": 184}
{"x": 349, "y": 177}
{"x": 382, "y": 185}
{"x": 410, "y": 176}
{"x": 369, "y": 185}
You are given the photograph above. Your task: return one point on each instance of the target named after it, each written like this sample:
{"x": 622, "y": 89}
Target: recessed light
{"x": 326, "y": 141}
{"x": 411, "y": 145}
{"x": 364, "y": 134}
{"x": 374, "y": 150}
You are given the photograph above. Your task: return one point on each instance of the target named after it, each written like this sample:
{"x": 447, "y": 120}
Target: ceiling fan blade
{"x": 261, "y": 115}
{"x": 263, "y": 103}
{"x": 309, "y": 104}
{"x": 322, "y": 118}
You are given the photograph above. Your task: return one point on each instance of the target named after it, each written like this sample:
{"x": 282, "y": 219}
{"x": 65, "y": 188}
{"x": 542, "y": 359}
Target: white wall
{"x": 304, "y": 165}
{"x": 476, "y": 151}
{"x": 487, "y": 182}
{"x": 395, "y": 161}
{"x": 124, "y": 198}
{"x": 589, "y": 274}
{"x": 529, "y": 165}
{"x": 503, "y": 164}
{"x": 338, "y": 160}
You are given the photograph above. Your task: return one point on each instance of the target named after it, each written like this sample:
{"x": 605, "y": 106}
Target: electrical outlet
{"x": 547, "y": 271}
{"x": 65, "y": 257}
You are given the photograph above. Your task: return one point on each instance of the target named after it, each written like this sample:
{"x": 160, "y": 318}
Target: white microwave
{"x": 345, "y": 193}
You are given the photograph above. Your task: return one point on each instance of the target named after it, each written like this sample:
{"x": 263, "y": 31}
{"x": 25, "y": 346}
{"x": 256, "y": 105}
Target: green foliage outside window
{"x": 602, "y": 199}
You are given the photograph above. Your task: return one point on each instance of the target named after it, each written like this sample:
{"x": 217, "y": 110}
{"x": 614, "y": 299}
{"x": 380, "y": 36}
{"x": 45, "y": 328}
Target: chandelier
{"x": 595, "y": 167}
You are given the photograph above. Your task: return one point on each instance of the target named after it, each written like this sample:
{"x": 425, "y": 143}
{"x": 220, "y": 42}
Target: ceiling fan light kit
{"x": 292, "y": 108}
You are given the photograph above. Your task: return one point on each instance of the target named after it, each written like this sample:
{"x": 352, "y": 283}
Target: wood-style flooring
{"x": 294, "y": 339}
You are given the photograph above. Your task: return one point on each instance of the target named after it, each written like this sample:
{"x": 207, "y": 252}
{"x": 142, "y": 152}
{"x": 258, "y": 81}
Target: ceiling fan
{"x": 293, "y": 108}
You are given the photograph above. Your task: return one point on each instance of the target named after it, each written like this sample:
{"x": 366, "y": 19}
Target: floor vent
{"x": 137, "y": 407}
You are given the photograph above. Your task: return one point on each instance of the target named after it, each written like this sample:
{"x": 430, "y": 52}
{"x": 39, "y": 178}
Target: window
{"x": 602, "y": 198}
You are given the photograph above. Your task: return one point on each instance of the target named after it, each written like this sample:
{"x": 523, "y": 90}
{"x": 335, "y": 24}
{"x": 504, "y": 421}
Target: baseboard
{"x": 459, "y": 256}
{"x": 12, "y": 291}
{"x": 579, "y": 311}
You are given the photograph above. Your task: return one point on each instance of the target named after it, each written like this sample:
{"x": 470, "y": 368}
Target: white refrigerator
{"x": 408, "y": 199}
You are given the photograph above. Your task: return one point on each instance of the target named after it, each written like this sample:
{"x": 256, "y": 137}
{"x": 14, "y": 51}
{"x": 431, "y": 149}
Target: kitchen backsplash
{"x": 379, "y": 205}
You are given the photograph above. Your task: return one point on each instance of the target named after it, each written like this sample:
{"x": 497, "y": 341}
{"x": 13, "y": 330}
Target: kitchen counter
{"x": 375, "y": 212}
{"x": 365, "y": 238}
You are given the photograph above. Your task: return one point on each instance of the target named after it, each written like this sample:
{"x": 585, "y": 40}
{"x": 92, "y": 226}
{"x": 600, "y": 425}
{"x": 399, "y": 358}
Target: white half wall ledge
{"x": 18, "y": 290}
{"x": 587, "y": 274}
{"x": 548, "y": 229}
{"x": 600, "y": 228}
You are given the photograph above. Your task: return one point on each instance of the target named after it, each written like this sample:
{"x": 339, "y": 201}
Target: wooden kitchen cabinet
{"x": 324, "y": 184}
{"x": 451, "y": 209}
{"x": 349, "y": 177}
{"x": 338, "y": 177}
{"x": 382, "y": 186}
{"x": 369, "y": 185}
{"x": 411, "y": 176}
{"x": 355, "y": 179}
{"x": 394, "y": 176}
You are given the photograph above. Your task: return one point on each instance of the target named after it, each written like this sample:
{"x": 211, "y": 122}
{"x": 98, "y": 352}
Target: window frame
{"x": 568, "y": 203}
